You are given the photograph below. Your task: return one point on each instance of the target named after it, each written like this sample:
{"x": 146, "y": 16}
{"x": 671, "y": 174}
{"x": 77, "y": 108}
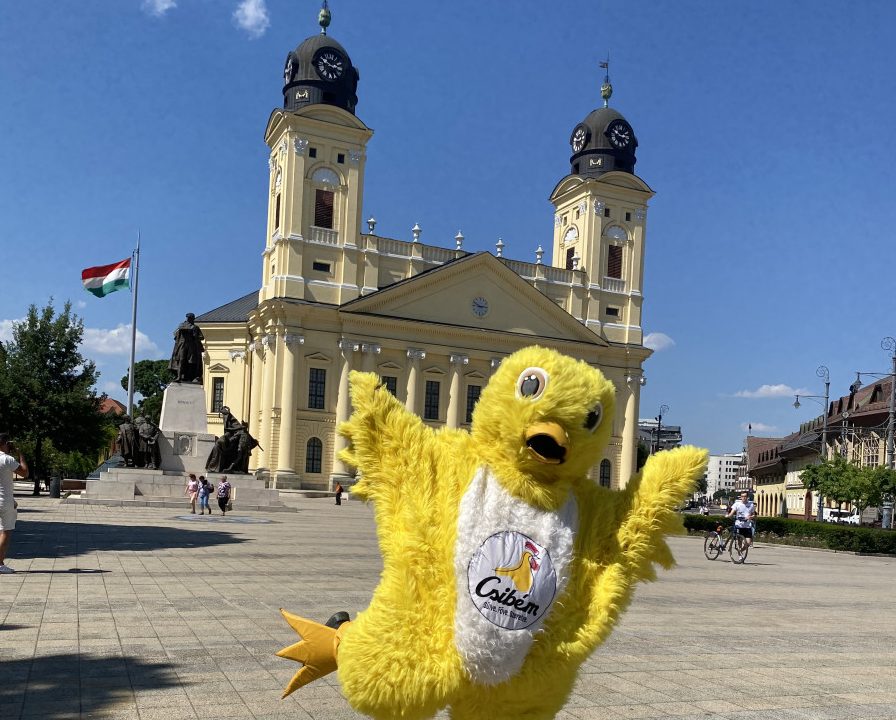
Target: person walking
{"x": 338, "y": 490}
{"x": 9, "y": 466}
{"x": 205, "y": 489}
{"x": 192, "y": 490}
{"x": 223, "y": 494}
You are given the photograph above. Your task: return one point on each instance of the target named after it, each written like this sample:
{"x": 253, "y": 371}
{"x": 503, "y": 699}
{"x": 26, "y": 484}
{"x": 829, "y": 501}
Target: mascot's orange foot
{"x": 316, "y": 650}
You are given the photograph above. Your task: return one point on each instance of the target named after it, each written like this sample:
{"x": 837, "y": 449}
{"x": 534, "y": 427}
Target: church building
{"x": 432, "y": 322}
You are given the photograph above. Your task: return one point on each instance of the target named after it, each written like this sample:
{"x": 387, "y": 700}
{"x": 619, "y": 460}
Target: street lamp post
{"x": 824, "y": 373}
{"x": 659, "y": 425}
{"x": 888, "y": 344}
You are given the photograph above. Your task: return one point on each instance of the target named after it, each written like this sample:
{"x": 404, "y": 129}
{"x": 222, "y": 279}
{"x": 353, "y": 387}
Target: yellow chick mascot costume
{"x": 504, "y": 564}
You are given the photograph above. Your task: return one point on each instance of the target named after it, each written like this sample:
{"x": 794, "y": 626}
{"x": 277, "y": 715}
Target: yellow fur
{"x": 398, "y": 658}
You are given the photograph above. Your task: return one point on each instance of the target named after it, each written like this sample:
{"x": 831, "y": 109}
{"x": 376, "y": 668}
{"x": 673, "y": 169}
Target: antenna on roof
{"x": 323, "y": 18}
{"x": 606, "y": 90}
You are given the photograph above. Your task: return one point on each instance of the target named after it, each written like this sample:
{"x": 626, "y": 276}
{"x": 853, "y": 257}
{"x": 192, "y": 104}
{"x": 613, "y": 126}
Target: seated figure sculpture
{"x": 232, "y": 449}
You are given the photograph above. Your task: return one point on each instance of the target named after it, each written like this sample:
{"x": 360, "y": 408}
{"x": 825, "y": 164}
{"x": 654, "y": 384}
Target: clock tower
{"x": 599, "y": 229}
{"x": 318, "y": 151}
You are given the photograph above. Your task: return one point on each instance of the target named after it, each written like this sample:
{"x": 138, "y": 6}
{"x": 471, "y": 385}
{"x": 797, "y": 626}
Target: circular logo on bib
{"x": 512, "y": 581}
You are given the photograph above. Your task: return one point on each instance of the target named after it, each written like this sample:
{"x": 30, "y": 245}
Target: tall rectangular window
{"x": 277, "y": 212}
{"x": 614, "y": 261}
{"x": 570, "y": 253}
{"x": 391, "y": 384}
{"x": 317, "y": 388}
{"x": 473, "y": 392}
{"x": 323, "y": 208}
{"x": 431, "y": 400}
{"x": 217, "y": 394}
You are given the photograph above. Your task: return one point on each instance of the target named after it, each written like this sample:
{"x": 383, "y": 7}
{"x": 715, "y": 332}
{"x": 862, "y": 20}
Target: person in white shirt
{"x": 8, "y": 467}
{"x": 744, "y": 511}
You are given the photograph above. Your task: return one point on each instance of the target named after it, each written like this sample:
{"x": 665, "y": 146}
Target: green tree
{"x": 643, "y": 454}
{"x": 47, "y": 396}
{"x": 151, "y": 377}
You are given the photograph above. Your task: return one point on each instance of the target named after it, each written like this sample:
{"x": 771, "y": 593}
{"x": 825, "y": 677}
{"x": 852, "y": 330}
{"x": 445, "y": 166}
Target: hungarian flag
{"x": 104, "y": 279}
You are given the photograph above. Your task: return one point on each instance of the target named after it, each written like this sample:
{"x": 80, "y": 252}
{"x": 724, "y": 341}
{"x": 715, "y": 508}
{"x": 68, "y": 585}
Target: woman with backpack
{"x": 223, "y": 494}
{"x": 205, "y": 489}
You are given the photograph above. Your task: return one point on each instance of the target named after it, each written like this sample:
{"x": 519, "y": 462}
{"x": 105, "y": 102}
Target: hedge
{"x": 801, "y": 532}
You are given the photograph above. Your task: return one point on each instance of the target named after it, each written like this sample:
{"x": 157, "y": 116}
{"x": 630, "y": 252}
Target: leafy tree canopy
{"x": 150, "y": 379}
{"x": 47, "y": 396}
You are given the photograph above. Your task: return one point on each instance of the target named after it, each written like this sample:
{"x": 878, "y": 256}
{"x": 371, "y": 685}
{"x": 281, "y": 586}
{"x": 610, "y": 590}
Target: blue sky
{"x": 765, "y": 128}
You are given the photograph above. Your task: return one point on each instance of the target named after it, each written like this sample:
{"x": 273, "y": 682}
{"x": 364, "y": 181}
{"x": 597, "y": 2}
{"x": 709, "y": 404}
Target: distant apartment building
{"x": 723, "y": 472}
{"x": 658, "y": 437}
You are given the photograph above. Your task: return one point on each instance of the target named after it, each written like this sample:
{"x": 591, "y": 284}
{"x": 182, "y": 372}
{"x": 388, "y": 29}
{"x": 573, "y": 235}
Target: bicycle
{"x": 736, "y": 544}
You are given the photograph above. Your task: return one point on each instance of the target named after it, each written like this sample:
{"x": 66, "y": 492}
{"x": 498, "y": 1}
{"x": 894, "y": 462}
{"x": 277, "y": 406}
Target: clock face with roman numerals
{"x": 620, "y": 134}
{"x": 579, "y": 138}
{"x": 329, "y": 64}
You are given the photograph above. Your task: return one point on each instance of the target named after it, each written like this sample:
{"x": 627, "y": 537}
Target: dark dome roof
{"x": 598, "y": 155}
{"x": 304, "y": 85}
{"x": 305, "y": 51}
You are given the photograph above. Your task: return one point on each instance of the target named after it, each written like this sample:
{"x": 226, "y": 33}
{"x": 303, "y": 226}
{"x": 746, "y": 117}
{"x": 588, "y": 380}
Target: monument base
{"x": 159, "y": 488}
{"x": 183, "y": 409}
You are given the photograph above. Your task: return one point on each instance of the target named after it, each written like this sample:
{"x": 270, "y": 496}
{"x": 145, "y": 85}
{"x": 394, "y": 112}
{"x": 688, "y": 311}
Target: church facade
{"x": 432, "y": 322}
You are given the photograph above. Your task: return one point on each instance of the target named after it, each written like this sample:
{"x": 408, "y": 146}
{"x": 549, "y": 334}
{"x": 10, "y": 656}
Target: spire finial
{"x": 606, "y": 90}
{"x": 323, "y": 18}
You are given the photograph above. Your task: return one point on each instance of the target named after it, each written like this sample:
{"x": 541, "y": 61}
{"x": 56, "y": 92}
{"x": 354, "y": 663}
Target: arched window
{"x": 605, "y": 471}
{"x": 325, "y": 176}
{"x": 314, "y": 452}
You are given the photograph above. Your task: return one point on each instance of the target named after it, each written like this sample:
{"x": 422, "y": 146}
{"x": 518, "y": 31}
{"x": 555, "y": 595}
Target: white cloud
{"x": 757, "y": 427}
{"x": 252, "y": 16}
{"x": 6, "y": 329}
{"x": 158, "y": 8}
{"x": 771, "y": 391}
{"x": 80, "y": 304}
{"x": 116, "y": 342}
{"x": 658, "y": 341}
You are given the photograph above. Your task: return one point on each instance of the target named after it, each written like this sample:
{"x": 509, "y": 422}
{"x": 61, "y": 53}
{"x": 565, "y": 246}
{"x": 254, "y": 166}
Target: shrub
{"x": 801, "y": 532}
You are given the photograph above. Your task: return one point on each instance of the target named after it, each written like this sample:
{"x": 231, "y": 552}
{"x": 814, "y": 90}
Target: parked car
{"x": 847, "y": 517}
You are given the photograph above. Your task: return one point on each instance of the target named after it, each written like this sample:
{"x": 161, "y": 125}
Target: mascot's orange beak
{"x": 547, "y": 442}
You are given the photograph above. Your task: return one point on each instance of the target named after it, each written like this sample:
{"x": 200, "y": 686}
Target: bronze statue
{"x": 127, "y": 441}
{"x": 186, "y": 359}
{"x": 232, "y": 450}
{"x": 148, "y": 443}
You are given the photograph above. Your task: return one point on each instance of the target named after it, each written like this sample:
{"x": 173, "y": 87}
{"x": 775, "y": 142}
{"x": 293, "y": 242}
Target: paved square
{"x": 154, "y": 614}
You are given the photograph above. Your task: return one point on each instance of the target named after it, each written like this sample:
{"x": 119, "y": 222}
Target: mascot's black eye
{"x": 531, "y": 383}
{"x": 592, "y": 419}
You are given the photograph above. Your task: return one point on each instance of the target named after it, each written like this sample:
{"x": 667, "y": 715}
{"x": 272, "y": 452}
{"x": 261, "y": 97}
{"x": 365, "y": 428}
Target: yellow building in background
{"x": 432, "y": 322}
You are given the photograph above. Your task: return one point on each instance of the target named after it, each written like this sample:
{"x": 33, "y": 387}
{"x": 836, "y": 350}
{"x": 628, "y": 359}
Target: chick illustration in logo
{"x": 523, "y": 574}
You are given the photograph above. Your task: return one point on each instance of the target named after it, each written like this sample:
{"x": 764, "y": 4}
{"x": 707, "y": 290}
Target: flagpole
{"x": 136, "y": 263}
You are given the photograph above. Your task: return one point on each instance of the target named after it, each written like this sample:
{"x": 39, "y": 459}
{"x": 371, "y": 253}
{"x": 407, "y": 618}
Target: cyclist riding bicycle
{"x": 745, "y": 512}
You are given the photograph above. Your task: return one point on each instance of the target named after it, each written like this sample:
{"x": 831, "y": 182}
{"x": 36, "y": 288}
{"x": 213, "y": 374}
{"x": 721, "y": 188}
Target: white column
{"x": 343, "y": 408}
{"x": 370, "y": 351}
{"x": 455, "y": 404}
{"x": 255, "y": 398}
{"x": 414, "y": 358}
{"x": 289, "y": 393}
{"x": 629, "y": 432}
{"x": 269, "y": 373}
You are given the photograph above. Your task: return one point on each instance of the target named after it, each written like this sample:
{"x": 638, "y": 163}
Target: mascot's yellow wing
{"x": 398, "y": 658}
{"x": 623, "y": 537}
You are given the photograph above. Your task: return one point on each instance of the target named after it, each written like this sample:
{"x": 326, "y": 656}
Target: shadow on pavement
{"x": 39, "y": 539}
{"x": 70, "y": 571}
{"x": 64, "y": 686}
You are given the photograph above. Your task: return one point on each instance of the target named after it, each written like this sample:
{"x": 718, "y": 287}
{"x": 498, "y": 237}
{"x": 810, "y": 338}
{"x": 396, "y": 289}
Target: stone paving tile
{"x": 184, "y": 621}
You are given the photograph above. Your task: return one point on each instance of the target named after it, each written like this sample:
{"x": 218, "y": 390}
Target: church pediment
{"x": 477, "y": 292}
{"x": 219, "y": 368}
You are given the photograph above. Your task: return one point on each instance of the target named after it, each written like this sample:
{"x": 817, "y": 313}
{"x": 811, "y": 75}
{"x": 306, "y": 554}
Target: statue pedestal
{"x": 186, "y": 442}
{"x": 139, "y": 487}
{"x": 183, "y": 409}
